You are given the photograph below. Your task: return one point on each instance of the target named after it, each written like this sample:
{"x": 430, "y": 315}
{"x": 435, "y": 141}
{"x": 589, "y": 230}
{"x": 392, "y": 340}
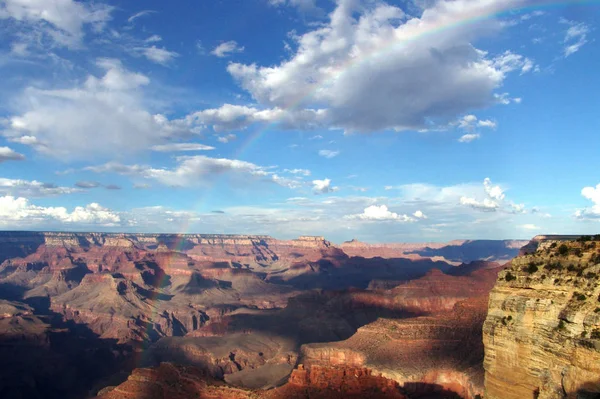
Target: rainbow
{"x": 479, "y": 14}
{"x": 428, "y": 28}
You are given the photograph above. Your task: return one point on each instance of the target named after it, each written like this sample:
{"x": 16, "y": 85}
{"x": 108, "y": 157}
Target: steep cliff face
{"x": 542, "y": 332}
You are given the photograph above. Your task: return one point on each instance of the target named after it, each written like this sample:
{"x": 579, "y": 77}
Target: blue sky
{"x": 382, "y": 121}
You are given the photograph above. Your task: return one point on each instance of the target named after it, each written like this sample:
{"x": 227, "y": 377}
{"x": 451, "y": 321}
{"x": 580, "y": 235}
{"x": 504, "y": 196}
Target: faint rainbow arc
{"x": 465, "y": 19}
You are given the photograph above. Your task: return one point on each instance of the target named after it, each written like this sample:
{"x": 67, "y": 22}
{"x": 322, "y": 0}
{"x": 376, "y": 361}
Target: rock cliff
{"x": 542, "y": 332}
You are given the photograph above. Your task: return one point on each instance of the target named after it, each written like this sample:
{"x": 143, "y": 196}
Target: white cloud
{"x": 233, "y": 117}
{"x": 470, "y": 123}
{"x": 181, "y": 147}
{"x": 467, "y": 138}
{"x": 494, "y": 199}
{"x": 303, "y": 172}
{"x": 380, "y": 213}
{"x": 226, "y": 49}
{"x": 370, "y": 67}
{"x": 140, "y": 14}
{"x": 485, "y": 205}
{"x": 419, "y": 215}
{"x": 509, "y": 61}
{"x": 487, "y": 123}
{"x": 153, "y": 39}
{"x": 158, "y": 55}
{"x": 323, "y": 186}
{"x": 328, "y": 153}
{"x": 592, "y": 194}
{"x": 575, "y": 36}
{"x": 494, "y": 192}
{"x": 199, "y": 170}
{"x": 8, "y": 154}
{"x": 530, "y": 226}
{"x": 17, "y": 211}
{"x": 62, "y": 21}
{"x": 227, "y": 138}
{"x": 103, "y": 116}
{"x": 26, "y": 188}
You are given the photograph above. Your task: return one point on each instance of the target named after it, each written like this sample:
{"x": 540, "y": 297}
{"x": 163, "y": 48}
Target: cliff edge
{"x": 542, "y": 331}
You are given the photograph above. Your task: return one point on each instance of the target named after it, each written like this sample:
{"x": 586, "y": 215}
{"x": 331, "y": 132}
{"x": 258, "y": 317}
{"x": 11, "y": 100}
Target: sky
{"x": 384, "y": 121}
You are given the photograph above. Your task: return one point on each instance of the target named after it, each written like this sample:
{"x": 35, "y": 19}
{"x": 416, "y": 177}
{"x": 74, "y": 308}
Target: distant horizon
{"x": 273, "y": 237}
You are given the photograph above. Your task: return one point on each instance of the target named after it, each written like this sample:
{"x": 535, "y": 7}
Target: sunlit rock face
{"x": 542, "y": 332}
{"x": 244, "y": 311}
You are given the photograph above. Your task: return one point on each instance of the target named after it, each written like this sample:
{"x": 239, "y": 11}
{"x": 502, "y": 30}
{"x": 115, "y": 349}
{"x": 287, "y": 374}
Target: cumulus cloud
{"x": 593, "y": 194}
{"x": 62, "y": 21}
{"x": 103, "y": 116}
{"x": 235, "y": 117}
{"x": 485, "y": 205}
{"x": 494, "y": 200}
{"x": 199, "y": 170}
{"x": 392, "y": 85}
{"x": 158, "y": 55}
{"x": 323, "y": 186}
{"x": 227, "y": 138}
{"x": 419, "y": 215}
{"x": 467, "y": 138}
{"x": 575, "y": 36}
{"x": 18, "y": 211}
{"x": 8, "y": 154}
{"x": 226, "y": 49}
{"x": 26, "y": 188}
{"x": 328, "y": 153}
{"x": 472, "y": 124}
{"x": 172, "y": 147}
{"x": 379, "y": 213}
{"x": 494, "y": 192}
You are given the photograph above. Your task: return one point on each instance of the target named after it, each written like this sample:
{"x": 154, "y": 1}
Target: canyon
{"x": 241, "y": 316}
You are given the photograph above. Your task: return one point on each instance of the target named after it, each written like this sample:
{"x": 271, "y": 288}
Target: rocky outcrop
{"x": 542, "y": 332}
{"x": 183, "y": 382}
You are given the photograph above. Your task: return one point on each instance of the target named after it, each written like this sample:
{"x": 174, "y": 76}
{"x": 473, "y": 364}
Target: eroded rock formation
{"x": 542, "y": 332}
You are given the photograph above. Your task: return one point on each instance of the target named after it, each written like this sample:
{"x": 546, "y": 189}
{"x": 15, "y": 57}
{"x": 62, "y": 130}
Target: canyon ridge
{"x": 237, "y": 316}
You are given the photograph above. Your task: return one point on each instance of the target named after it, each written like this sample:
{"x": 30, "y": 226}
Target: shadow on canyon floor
{"x": 66, "y": 360}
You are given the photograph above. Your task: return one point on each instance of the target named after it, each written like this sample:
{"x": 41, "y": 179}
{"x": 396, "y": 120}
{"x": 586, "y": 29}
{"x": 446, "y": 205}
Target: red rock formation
{"x": 181, "y": 382}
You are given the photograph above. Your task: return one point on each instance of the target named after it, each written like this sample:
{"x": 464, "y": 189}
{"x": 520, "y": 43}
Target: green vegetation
{"x": 579, "y": 296}
{"x": 571, "y": 268}
{"x": 553, "y": 245}
{"x": 556, "y": 280}
{"x": 597, "y": 310}
{"x": 595, "y": 334}
{"x": 563, "y": 250}
{"x": 591, "y": 275}
{"x": 553, "y": 266}
{"x": 505, "y": 320}
{"x": 583, "y": 334}
{"x": 584, "y": 238}
{"x": 509, "y": 276}
{"x": 531, "y": 268}
{"x": 561, "y": 325}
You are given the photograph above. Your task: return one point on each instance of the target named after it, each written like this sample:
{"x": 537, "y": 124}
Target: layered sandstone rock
{"x": 542, "y": 332}
{"x": 438, "y": 354}
{"x": 182, "y": 382}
